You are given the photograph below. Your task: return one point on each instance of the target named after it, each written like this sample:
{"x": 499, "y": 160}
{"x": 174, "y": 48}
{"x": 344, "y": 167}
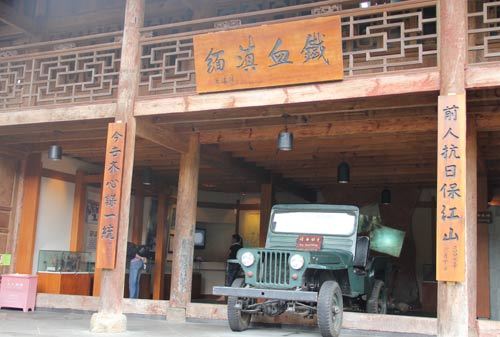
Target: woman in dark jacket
{"x": 233, "y": 268}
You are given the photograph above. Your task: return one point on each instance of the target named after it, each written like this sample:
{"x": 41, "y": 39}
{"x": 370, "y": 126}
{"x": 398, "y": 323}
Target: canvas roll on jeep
{"x": 313, "y": 264}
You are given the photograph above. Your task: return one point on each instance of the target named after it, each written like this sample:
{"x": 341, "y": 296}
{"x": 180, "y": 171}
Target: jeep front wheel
{"x": 238, "y": 320}
{"x": 330, "y": 309}
{"x": 377, "y": 303}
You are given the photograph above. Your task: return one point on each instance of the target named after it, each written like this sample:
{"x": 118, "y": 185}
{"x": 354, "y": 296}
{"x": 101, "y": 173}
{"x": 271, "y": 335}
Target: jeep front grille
{"x": 272, "y": 268}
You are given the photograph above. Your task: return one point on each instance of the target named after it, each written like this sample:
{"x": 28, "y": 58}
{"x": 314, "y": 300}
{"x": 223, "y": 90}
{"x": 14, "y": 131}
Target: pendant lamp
{"x": 147, "y": 176}
{"x": 55, "y": 152}
{"x": 343, "y": 173}
{"x": 386, "y": 197}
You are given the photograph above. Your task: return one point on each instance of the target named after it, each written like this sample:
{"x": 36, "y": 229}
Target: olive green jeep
{"x": 313, "y": 264}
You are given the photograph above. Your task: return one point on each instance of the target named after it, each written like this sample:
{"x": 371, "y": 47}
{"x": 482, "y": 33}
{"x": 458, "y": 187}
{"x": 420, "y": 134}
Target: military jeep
{"x": 313, "y": 263}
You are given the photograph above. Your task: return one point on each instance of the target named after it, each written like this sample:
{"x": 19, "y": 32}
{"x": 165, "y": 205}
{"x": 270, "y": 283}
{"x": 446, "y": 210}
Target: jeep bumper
{"x": 287, "y": 295}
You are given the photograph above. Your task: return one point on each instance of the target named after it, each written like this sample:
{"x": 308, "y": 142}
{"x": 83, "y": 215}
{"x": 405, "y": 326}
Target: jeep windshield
{"x": 321, "y": 223}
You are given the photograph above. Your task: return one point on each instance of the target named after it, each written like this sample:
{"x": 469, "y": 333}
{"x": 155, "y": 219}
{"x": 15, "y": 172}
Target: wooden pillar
{"x": 109, "y": 317}
{"x": 483, "y": 246}
{"x": 457, "y": 300}
{"x": 161, "y": 243}
{"x": 266, "y": 203}
{"x": 78, "y": 218}
{"x": 17, "y": 201}
{"x": 138, "y": 215}
{"x": 185, "y": 220}
{"x": 29, "y": 214}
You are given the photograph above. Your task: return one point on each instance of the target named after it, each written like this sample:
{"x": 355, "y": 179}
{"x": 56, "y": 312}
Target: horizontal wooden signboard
{"x": 295, "y": 52}
{"x": 111, "y": 193}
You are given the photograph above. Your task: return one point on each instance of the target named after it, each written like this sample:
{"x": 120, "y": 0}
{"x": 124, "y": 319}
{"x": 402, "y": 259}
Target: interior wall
{"x": 494, "y": 233}
{"x": 422, "y": 230}
{"x": 8, "y": 177}
{"x": 55, "y": 210}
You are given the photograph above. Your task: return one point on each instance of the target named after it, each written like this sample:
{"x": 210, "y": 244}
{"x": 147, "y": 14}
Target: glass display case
{"x": 65, "y": 261}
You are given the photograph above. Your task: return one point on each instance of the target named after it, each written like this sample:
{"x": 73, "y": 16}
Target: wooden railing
{"x": 398, "y": 36}
{"x": 484, "y": 31}
{"x": 376, "y": 40}
{"x": 65, "y": 71}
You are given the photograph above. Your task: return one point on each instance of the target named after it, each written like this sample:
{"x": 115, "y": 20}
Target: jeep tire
{"x": 238, "y": 321}
{"x": 377, "y": 303}
{"x": 330, "y": 309}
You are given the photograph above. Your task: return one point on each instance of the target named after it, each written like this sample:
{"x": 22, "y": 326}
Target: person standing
{"x": 233, "y": 268}
{"x": 137, "y": 264}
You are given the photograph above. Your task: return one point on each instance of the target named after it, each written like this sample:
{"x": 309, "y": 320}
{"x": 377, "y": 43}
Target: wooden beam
{"x": 161, "y": 245}
{"x": 211, "y": 156}
{"x": 482, "y": 75}
{"x": 29, "y": 215}
{"x": 78, "y": 217}
{"x": 53, "y": 174}
{"x": 360, "y": 86}
{"x": 161, "y": 136}
{"x": 58, "y": 114}
{"x": 8, "y": 32}
{"x": 11, "y": 17}
{"x": 93, "y": 179}
{"x": 400, "y": 125}
{"x": 217, "y": 205}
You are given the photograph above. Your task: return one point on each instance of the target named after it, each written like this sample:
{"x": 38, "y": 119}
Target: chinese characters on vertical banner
{"x": 450, "y": 247}
{"x": 270, "y": 55}
{"x": 111, "y": 192}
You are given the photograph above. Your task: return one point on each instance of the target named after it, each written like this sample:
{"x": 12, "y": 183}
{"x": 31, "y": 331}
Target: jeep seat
{"x": 362, "y": 251}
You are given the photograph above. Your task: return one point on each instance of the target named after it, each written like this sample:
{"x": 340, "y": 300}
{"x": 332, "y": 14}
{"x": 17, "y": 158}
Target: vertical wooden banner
{"x": 451, "y": 182}
{"x": 111, "y": 194}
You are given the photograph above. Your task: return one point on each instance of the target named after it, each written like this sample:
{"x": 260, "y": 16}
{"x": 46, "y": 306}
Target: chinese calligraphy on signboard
{"x": 107, "y": 233}
{"x": 451, "y": 189}
{"x": 270, "y": 55}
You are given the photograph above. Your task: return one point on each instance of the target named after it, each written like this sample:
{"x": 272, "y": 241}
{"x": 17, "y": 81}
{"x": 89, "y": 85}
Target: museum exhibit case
{"x": 65, "y": 272}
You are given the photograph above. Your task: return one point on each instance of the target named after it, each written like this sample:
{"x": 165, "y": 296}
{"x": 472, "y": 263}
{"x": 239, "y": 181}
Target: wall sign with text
{"x": 450, "y": 246}
{"x": 295, "y": 52}
{"x": 109, "y": 215}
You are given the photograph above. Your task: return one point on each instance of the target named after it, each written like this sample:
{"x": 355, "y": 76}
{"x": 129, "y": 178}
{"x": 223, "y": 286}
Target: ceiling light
{"x": 55, "y": 152}
{"x": 343, "y": 173}
{"x": 386, "y": 197}
{"x": 147, "y": 176}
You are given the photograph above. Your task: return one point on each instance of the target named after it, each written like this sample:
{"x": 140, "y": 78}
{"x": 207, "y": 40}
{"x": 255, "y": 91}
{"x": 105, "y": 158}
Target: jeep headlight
{"x": 297, "y": 261}
{"x": 247, "y": 259}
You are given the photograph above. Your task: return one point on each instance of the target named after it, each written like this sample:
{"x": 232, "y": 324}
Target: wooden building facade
{"x": 68, "y": 70}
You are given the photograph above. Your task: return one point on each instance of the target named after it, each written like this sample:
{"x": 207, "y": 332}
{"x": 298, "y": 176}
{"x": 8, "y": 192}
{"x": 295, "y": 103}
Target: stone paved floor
{"x": 63, "y": 324}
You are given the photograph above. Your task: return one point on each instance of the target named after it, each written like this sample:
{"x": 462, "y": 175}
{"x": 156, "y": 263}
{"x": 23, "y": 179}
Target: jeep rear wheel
{"x": 377, "y": 303}
{"x": 330, "y": 309}
{"x": 238, "y": 321}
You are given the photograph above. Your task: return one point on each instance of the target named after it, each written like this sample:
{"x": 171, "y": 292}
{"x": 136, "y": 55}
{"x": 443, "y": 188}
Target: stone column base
{"x": 106, "y": 323}
{"x": 176, "y": 315}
